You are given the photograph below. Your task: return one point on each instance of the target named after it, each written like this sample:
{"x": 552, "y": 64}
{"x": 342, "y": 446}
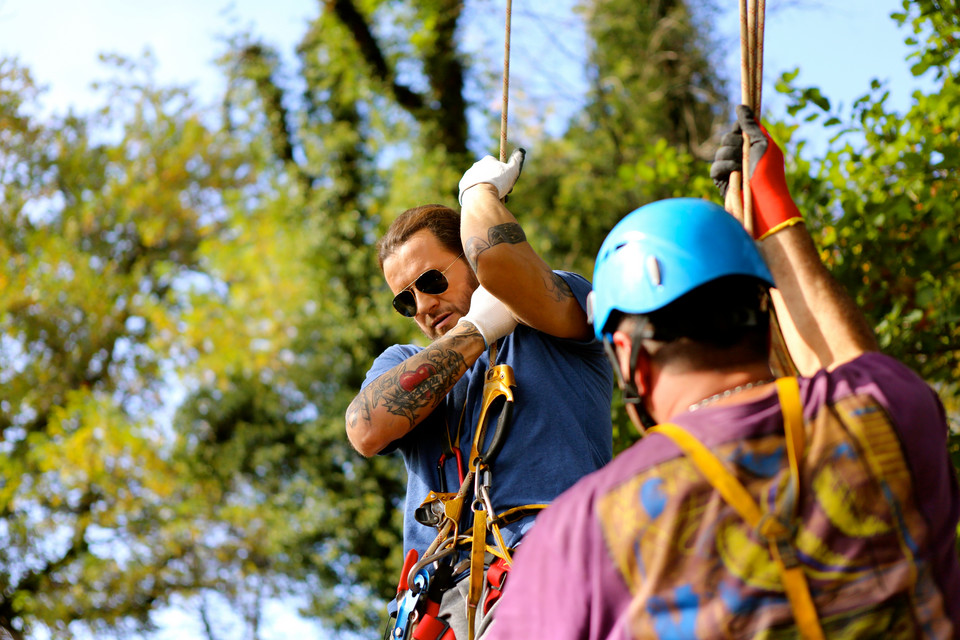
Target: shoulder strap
{"x": 776, "y": 530}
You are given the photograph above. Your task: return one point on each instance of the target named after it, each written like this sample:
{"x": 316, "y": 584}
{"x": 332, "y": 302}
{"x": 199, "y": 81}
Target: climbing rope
{"x": 506, "y": 85}
{"x": 739, "y": 200}
{"x": 751, "y": 80}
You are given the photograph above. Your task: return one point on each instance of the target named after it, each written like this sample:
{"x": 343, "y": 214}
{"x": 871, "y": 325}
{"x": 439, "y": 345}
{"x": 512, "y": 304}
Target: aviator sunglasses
{"x": 431, "y": 281}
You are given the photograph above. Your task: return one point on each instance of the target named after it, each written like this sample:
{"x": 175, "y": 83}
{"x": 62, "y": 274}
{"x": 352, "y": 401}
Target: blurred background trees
{"x": 190, "y": 296}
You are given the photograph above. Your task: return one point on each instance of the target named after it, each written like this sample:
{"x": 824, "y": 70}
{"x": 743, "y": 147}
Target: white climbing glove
{"x": 489, "y": 170}
{"x": 490, "y": 316}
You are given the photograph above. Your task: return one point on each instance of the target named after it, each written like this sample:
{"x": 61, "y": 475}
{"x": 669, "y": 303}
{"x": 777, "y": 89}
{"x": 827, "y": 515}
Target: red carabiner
{"x": 442, "y": 462}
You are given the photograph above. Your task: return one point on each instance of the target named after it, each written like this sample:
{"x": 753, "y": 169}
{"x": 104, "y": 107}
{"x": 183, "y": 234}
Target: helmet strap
{"x": 631, "y": 395}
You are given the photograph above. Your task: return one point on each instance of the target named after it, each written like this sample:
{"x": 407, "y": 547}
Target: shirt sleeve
{"x": 563, "y": 584}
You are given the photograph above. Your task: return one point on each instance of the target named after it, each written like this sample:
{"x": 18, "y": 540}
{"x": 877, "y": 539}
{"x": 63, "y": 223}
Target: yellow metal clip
{"x": 499, "y": 382}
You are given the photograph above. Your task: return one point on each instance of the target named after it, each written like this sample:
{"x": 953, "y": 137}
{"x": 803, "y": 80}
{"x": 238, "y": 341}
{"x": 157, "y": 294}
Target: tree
{"x": 380, "y": 125}
{"x": 882, "y": 202}
{"x": 162, "y": 255}
{"x": 101, "y": 220}
{"x": 655, "y": 102}
{"x": 332, "y": 518}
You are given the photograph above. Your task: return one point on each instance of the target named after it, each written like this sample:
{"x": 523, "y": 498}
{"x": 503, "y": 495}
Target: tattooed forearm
{"x": 414, "y": 388}
{"x": 358, "y": 409}
{"x": 509, "y": 232}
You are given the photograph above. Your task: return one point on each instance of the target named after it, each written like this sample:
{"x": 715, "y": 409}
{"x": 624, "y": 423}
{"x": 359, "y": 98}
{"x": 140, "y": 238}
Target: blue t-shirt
{"x": 559, "y": 432}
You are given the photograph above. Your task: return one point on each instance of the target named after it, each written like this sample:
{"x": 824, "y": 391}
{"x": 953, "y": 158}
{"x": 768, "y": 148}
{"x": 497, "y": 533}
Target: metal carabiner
{"x": 499, "y": 383}
{"x": 410, "y": 606}
{"x": 442, "y": 463}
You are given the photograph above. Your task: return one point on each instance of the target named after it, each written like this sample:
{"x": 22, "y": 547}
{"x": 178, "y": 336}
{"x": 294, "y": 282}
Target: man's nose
{"x": 426, "y": 302}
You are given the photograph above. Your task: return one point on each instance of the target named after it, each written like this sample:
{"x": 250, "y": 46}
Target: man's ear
{"x": 640, "y": 368}
{"x": 623, "y": 346}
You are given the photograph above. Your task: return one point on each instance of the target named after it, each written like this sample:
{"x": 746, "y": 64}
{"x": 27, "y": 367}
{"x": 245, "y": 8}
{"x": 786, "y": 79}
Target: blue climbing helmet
{"x": 663, "y": 250}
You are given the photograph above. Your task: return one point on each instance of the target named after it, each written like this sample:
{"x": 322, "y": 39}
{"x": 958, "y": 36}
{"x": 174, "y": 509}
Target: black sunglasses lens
{"x": 432, "y": 282}
{"x": 405, "y": 303}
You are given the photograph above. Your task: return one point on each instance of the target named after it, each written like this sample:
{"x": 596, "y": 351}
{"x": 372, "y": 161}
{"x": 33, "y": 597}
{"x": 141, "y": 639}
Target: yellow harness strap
{"x": 478, "y": 550}
{"x": 776, "y": 531}
{"x": 499, "y": 381}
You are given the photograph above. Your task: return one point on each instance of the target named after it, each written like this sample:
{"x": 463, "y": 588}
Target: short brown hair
{"x": 443, "y": 222}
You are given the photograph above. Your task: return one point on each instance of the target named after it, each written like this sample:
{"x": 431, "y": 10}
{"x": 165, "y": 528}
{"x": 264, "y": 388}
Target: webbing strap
{"x": 477, "y": 552}
{"x": 722, "y": 480}
{"x": 515, "y": 514}
{"x": 430, "y": 627}
{"x": 736, "y": 495}
{"x": 788, "y": 392}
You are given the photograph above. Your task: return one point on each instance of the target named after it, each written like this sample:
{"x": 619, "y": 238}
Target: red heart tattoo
{"x": 410, "y": 379}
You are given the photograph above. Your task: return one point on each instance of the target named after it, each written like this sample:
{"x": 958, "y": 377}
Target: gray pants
{"x": 453, "y": 607}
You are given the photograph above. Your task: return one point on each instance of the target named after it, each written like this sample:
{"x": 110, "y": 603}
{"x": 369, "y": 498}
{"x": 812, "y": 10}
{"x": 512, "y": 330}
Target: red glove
{"x": 774, "y": 208}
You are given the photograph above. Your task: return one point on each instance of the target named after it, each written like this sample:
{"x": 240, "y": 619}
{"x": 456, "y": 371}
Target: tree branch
{"x": 445, "y": 72}
{"x": 347, "y": 12}
{"x": 259, "y": 65}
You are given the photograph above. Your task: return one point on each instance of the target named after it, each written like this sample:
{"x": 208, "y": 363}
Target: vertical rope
{"x": 506, "y": 86}
{"x": 745, "y": 72}
{"x": 739, "y": 200}
{"x": 734, "y": 202}
{"x": 758, "y": 67}
{"x": 748, "y": 55}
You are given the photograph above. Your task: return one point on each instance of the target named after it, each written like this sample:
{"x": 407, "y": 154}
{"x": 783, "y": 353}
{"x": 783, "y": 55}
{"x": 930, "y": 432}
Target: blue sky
{"x": 839, "y": 46}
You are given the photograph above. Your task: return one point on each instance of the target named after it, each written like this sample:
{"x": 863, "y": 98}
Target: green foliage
{"x": 335, "y": 307}
{"x": 95, "y": 232}
{"x": 644, "y": 134}
{"x": 160, "y": 256}
{"x": 305, "y": 308}
{"x": 238, "y": 263}
{"x": 882, "y": 202}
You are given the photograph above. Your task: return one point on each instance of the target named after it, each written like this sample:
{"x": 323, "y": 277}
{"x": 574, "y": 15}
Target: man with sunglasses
{"x": 812, "y": 506}
{"x": 471, "y": 281}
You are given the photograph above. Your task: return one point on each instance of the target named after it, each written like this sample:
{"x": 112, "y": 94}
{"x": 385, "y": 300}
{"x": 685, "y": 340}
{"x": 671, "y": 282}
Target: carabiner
{"x": 441, "y": 465}
{"x": 499, "y": 383}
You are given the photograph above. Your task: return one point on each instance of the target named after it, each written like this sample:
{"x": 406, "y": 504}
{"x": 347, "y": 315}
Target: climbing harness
{"x": 425, "y": 579}
{"x": 777, "y": 528}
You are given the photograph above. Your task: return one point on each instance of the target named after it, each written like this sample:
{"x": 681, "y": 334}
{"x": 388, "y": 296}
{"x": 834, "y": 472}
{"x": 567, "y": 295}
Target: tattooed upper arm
{"x": 509, "y": 232}
{"x": 558, "y": 288}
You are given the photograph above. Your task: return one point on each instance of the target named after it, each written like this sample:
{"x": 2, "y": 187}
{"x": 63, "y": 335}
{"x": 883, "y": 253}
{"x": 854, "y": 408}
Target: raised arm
{"x": 821, "y": 324}
{"x": 505, "y": 263}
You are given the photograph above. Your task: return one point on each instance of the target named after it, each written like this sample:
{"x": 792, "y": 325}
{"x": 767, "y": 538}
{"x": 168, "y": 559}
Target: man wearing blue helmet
{"x": 818, "y": 505}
